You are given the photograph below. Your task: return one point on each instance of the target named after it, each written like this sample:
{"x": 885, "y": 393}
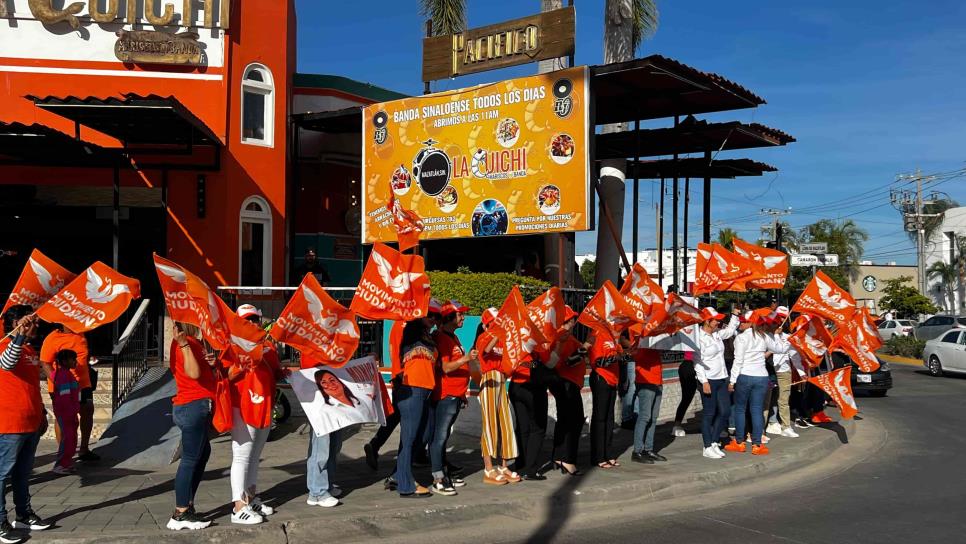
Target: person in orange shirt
{"x": 22, "y": 420}
{"x": 449, "y": 394}
{"x": 649, "y": 388}
{"x": 607, "y": 362}
{"x": 417, "y": 357}
{"x": 497, "y": 439}
{"x": 571, "y": 368}
{"x": 59, "y": 339}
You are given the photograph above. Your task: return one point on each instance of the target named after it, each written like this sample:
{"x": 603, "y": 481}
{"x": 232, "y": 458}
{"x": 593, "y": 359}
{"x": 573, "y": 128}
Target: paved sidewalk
{"x": 104, "y": 504}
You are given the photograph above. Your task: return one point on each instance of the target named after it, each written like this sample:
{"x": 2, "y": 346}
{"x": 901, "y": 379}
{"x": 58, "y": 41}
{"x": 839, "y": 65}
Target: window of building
{"x": 255, "y": 243}
{"x": 258, "y": 105}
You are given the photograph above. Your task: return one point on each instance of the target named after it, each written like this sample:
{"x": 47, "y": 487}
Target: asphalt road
{"x": 909, "y": 489}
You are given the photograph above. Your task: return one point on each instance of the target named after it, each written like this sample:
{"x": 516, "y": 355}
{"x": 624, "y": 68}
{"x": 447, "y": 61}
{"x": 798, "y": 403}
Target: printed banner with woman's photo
{"x": 498, "y": 159}
{"x": 335, "y": 398}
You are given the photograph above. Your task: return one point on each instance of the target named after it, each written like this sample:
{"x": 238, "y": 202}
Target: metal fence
{"x": 130, "y": 355}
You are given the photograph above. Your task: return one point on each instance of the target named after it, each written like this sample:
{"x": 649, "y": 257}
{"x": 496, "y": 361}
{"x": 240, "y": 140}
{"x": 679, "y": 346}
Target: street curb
{"x": 895, "y": 359}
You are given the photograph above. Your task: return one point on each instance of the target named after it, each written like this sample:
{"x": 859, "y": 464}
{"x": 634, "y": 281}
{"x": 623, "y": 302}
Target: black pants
{"x": 602, "y": 419}
{"x": 689, "y": 385}
{"x": 529, "y": 401}
{"x": 570, "y": 420}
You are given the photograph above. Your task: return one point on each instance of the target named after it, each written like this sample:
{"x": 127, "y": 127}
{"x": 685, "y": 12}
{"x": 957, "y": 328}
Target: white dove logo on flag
{"x": 399, "y": 283}
{"x": 530, "y": 343}
{"x": 331, "y": 323}
{"x": 45, "y": 278}
{"x": 843, "y": 390}
{"x": 831, "y": 297}
{"x": 814, "y": 344}
{"x": 609, "y": 308}
{"x": 770, "y": 262}
{"x": 175, "y": 274}
{"x": 256, "y": 398}
{"x": 643, "y": 292}
{"x": 101, "y": 292}
{"x": 243, "y": 343}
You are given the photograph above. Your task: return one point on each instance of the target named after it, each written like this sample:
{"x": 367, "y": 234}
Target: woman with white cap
{"x": 712, "y": 374}
{"x": 749, "y": 379}
{"x": 253, "y": 395}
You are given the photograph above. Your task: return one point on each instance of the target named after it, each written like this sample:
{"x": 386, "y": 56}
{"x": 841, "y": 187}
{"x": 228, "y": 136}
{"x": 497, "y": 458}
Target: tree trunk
{"x": 618, "y": 47}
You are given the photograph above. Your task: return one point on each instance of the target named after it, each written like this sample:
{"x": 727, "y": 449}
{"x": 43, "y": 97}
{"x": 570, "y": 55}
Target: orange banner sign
{"x": 313, "y": 322}
{"x": 393, "y": 286}
{"x": 822, "y": 297}
{"x": 98, "y": 296}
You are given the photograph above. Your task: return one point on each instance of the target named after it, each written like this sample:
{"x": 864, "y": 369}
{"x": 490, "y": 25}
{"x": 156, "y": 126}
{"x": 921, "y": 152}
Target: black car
{"x": 876, "y": 384}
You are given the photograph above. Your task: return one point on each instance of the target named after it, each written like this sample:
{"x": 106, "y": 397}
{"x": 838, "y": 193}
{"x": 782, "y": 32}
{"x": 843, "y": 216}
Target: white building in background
{"x": 648, "y": 259}
{"x": 942, "y": 247}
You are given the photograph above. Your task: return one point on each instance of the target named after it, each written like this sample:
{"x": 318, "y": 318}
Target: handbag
{"x": 221, "y": 418}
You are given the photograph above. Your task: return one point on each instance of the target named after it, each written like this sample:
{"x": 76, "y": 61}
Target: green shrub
{"x": 480, "y": 291}
{"x": 905, "y": 346}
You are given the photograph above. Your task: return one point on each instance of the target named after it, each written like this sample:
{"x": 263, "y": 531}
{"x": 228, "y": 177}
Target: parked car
{"x": 938, "y": 324}
{"x": 876, "y": 384}
{"x": 896, "y": 327}
{"x": 946, "y": 353}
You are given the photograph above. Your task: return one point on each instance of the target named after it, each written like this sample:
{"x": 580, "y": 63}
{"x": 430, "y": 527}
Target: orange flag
{"x": 773, "y": 263}
{"x": 733, "y": 267}
{"x": 869, "y": 331}
{"x": 647, "y": 298}
{"x": 314, "y": 323}
{"x": 40, "y": 280}
{"x": 246, "y": 339}
{"x": 393, "y": 286}
{"x": 608, "y": 313}
{"x": 98, "y": 296}
{"x": 547, "y": 313}
{"x": 822, "y": 297}
{"x": 708, "y": 271}
{"x": 513, "y": 326}
{"x": 852, "y": 339}
{"x": 811, "y": 340}
{"x": 838, "y": 385}
{"x": 190, "y": 300}
{"x": 752, "y": 270}
{"x": 408, "y": 223}
{"x": 680, "y": 314}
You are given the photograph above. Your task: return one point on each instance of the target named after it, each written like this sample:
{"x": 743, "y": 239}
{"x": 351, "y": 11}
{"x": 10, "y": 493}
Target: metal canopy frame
{"x": 690, "y": 136}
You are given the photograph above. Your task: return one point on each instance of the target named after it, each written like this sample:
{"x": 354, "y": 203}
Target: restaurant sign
{"x": 146, "y": 46}
{"x": 152, "y": 12}
{"x": 547, "y": 35}
{"x": 498, "y": 159}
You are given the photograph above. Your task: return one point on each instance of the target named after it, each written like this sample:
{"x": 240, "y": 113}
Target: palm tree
{"x": 931, "y": 225}
{"x": 947, "y": 274}
{"x": 726, "y": 235}
{"x": 627, "y": 23}
{"x": 448, "y": 16}
{"x": 844, "y": 238}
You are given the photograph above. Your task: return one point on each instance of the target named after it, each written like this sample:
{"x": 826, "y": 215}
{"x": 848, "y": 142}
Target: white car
{"x": 946, "y": 353}
{"x": 895, "y": 327}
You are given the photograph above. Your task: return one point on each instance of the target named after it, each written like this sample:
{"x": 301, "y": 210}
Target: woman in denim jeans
{"x": 194, "y": 376}
{"x": 749, "y": 380}
{"x": 418, "y": 358}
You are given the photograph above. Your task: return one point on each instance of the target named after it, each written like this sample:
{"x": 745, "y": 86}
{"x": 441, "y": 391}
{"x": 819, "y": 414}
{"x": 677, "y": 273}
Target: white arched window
{"x": 255, "y": 243}
{"x": 257, "y": 105}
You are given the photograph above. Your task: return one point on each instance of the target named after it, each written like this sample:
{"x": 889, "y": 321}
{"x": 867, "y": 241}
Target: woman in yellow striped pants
{"x": 498, "y": 440}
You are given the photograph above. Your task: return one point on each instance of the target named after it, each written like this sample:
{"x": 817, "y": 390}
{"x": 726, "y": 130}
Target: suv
{"x": 938, "y": 324}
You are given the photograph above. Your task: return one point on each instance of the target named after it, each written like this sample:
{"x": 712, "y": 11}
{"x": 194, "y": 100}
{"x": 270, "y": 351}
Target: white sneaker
{"x": 765, "y": 438}
{"x": 789, "y": 432}
{"x": 246, "y": 516}
{"x": 187, "y": 520}
{"x": 327, "y": 502}
{"x": 335, "y": 491}
{"x": 261, "y": 508}
{"x": 678, "y": 431}
{"x": 717, "y": 449}
{"x": 710, "y": 453}
{"x": 774, "y": 428}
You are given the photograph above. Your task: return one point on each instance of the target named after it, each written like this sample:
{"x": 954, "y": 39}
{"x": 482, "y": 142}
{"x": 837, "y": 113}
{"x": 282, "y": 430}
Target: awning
{"x": 656, "y": 87}
{"x": 344, "y": 121}
{"x": 690, "y": 136}
{"x": 41, "y": 145}
{"x": 697, "y": 168}
{"x": 134, "y": 119}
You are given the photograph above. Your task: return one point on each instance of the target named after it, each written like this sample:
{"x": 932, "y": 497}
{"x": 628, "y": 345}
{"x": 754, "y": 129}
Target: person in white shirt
{"x": 783, "y": 363}
{"x": 712, "y": 374}
{"x": 749, "y": 381}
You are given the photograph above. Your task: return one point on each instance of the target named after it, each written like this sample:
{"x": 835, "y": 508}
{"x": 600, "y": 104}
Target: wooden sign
{"x": 544, "y": 36}
{"x": 155, "y": 47}
{"x": 46, "y": 12}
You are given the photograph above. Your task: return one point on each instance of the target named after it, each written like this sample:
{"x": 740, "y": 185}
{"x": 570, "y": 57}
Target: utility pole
{"x": 773, "y": 230}
{"x": 913, "y": 210}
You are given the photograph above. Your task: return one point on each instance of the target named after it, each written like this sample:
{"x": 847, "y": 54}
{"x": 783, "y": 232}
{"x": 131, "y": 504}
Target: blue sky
{"x": 869, "y": 89}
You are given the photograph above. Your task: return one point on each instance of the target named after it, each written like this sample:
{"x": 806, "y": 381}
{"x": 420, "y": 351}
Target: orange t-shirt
{"x": 419, "y": 362}
{"x": 253, "y": 393}
{"x": 456, "y": 382}
{"x": 647, "y": 366}
{"x": 20, "y": 391}
{"x": 492, "y": 360}
{"x": 57, "y": 341}
{"x": 605, "y": 347}
{"x": 190, "y": 390}
{"x": 521, "y": 374}
{"x": 570, "y": 373}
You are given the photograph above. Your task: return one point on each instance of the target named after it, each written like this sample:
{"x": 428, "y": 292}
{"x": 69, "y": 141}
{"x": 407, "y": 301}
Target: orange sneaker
{"x": 759, "y": 450}
{"x": 735, "y": 446}
{"x": 821, "y": 417}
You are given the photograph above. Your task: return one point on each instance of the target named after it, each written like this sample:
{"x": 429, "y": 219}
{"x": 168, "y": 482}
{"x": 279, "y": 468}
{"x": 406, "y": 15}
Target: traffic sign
{"x": 814, "y": 248}
{"x": 799, "y": 259}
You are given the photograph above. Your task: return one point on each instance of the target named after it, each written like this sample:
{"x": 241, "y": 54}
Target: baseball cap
{"x": 435, "y": 306}
{"x": 746, "y": 317}
{"x": 489, "y": 315}
{"x": 710, "y": 313}
{"x": 454, "y": 306}
{"x": 782, "y": 311}
{"x": 247, "y": 310}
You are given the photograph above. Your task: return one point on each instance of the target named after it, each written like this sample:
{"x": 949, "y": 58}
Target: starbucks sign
{"x": 869, "y": 283}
